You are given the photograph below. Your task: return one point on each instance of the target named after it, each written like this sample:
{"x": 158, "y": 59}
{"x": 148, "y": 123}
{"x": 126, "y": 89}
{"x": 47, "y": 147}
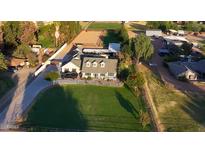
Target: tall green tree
{"x": 124, "y": 35}
{"x": 10, "y": 34}
{"x": 143, "y": 48}
{"x": 68, "y": 30}
{"x": 3, "y": 65}
{"x": 186, "y": 48}
{"x": 46, "y": 35}
{"x": 22, "y": 51}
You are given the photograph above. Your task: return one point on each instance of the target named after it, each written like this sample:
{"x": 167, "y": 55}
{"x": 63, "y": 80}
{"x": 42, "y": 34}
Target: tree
{"x": 27, "y": 33}
{"x": 22, "y": 51}
{"x": 3, "y": 65}
{"x": 124, "y": 35}
{"x": 186, "y": 48}
{"x": 52, "y": 76}
{"x": 10, "y": 34}
{"x": 144, "y": 118}
{"x": 135, "y": 80}
{"x": 143, "y": 48}
{"x": 192, "y": 26}
{"x": 68, "y": 30}
{"x": 163, "y": 25}
{"x": 46, "y": 35}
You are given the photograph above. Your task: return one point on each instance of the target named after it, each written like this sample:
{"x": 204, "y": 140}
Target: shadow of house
{"x": 127, "y": 105}
{"x": 6, "y": 99}
{"x": 49, "y": 114}
{"x": 195, "y": 107}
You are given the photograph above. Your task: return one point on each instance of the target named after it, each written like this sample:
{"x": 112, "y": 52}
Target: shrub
{"x": 144, "y": 118}
{"x": 135, "y": 81}
{"x": 182, "y": 78}
{"x": 51, "y": 76}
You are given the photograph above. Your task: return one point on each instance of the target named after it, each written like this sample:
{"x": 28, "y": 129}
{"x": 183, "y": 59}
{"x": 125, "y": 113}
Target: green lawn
{"x": 178, "y": 111}
{"x": 104, "y": 26}
{"x": 6, "y": 83}
{"x": 86, "y": 107}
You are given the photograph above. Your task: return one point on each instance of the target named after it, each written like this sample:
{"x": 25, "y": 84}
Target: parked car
{"x": 72, "y": 75}
{"x": 12, "y": 69}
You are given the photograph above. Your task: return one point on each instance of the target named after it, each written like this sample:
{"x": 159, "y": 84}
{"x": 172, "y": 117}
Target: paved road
{"x": 165, "y": 74}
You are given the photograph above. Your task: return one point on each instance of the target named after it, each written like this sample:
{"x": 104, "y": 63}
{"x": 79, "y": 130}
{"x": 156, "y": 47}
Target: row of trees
{"x": 133, "y": 50}
{"x": 166, "y": 25}
{"x": 17, "y": 36}
{"x": 163, "y": 25}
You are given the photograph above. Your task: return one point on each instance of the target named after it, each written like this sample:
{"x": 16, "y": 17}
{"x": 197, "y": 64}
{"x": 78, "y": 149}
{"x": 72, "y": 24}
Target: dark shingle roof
{"x": 176, "y": 68}
{"x": 110, "y": 65}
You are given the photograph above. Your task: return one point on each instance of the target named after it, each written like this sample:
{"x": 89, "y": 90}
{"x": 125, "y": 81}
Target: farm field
{"x": 87, "y": 108}
{"x": 104, "y": 26}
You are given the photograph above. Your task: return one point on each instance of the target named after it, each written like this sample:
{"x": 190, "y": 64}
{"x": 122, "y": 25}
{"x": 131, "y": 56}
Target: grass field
{"x": 6, "y": 84}
{"x": 178, "y": 111}
{"x": 83, "y": 108}
{"x": 104, "y": 26}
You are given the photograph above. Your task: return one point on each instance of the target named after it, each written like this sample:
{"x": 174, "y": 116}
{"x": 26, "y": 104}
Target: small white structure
{"x": 36, "y": 48}
{"x": 175, "y": 38}
{"x": 114, "y": 47}
{"x": 154, "y": 32}
{"x": 181, "y": 32}
{"x": 96, "y": 51}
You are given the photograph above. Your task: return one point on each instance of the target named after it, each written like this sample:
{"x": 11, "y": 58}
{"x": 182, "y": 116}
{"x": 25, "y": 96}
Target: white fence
{"x": 49, "y": 60}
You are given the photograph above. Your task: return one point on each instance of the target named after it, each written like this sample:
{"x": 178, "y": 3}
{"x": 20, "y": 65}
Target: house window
{"x": 94, "y": 64}
{"x": 87, "y": 64}
{"x": 102, "y": 75}
{"x": 73, "y": 70}
{"x": 102, "y": 64}
{"x": 110, "y": 74}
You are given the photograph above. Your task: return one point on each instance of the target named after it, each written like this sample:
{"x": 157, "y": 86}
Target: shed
{"x": 154, "y": 32}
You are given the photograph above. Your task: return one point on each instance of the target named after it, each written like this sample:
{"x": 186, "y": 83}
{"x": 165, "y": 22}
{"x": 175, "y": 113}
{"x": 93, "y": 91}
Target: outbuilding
{"x": 154, "y": 32}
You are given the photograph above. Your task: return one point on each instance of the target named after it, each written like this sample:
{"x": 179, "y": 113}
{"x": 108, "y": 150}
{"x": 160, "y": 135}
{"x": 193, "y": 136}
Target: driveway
{"x": 165, "y": 74}
{"x": 20, "y": 101}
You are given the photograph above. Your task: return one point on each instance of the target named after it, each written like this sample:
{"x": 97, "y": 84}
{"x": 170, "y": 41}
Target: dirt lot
{"x": 194, "y": 38}
{"x": 90, "y": 38}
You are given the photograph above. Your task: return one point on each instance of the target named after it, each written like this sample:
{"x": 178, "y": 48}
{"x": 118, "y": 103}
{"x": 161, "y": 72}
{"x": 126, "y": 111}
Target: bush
{"x": 135, "y": 81}
{"x": 182, "y": 78}
{"x": 51, "y": 76}
{"x": 144, "y": 118}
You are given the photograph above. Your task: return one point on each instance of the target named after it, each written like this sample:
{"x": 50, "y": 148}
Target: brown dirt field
{"x": 90, "y": 38}
{"x": 194, "y": 38}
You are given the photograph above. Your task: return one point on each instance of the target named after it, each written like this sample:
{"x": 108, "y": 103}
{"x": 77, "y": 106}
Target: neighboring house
{"x": 198, "y": 67}
{"x": 99, "y": 68}
{"x": 179, "y": 70}
{"x": 175, "y": 40}
{"x": 153, "y": 32}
